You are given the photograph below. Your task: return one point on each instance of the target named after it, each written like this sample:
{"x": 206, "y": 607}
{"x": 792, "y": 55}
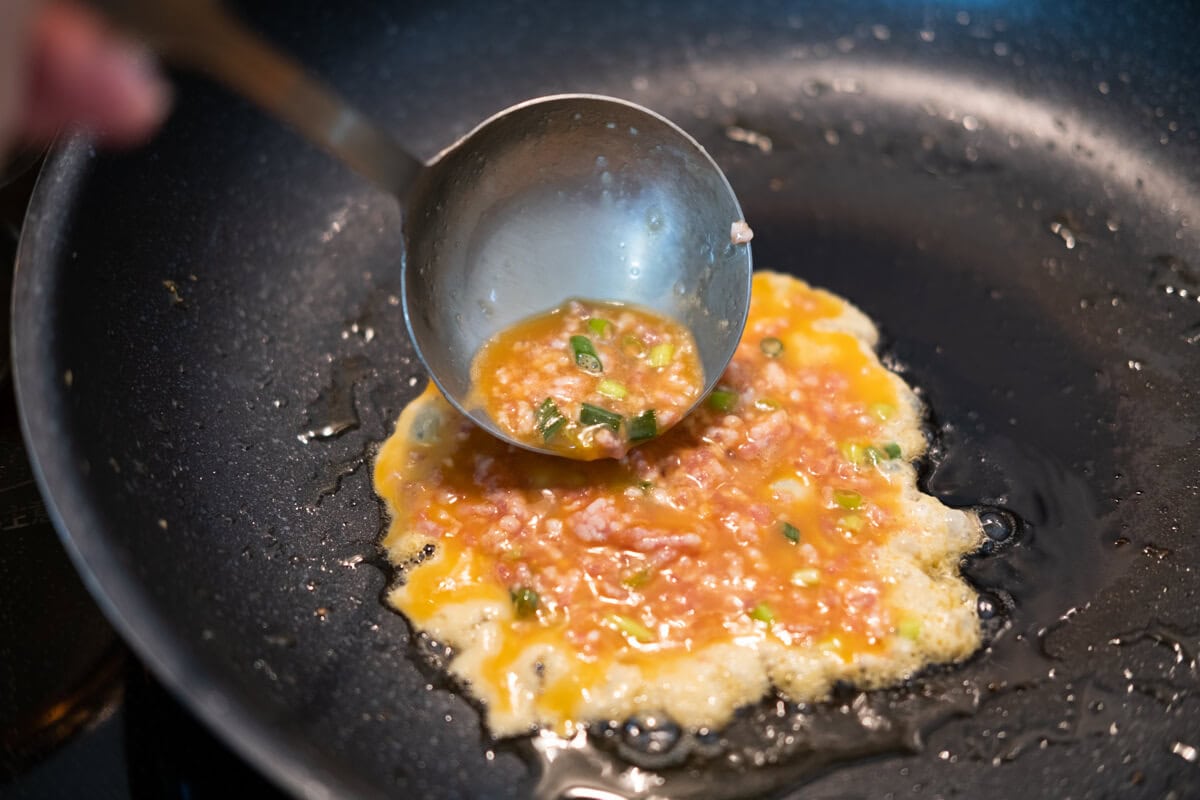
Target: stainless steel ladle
{"x": 557, "y": 197}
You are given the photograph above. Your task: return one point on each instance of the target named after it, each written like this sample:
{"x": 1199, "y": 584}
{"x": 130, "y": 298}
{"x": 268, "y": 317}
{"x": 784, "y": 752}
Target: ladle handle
{"x": 202, "y": 35}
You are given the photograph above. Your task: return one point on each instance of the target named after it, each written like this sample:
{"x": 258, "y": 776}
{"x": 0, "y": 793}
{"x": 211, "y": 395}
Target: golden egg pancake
{"x": 774, "y": 537}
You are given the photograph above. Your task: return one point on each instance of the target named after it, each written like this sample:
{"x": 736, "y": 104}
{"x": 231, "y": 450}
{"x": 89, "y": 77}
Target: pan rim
{"x": 109, "y": 581}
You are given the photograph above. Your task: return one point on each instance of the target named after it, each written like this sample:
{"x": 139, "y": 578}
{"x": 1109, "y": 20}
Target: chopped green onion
{"x": 771, "y": 347}
{"x": 638, "y": 579}
{"x": 600, "y": 327}
{"x": 595, "y": 415}
{"x": 767, "y": 404}
{"x": 645, "y": 486}
{"x": 763, "y": 613}
{"x": 585, "y": 354}
{"x": 612, "y": 389}
{"x": 909, "y": 628}
{"x": 722, "y": 399}
{"x": 661, "y": 354}
{"x": 633, "y": 345}
{"x": 852, "y": 522}
{"x": 882, "y": 410}
{"x": 549, "y": 419}
{"x": 588, "y": 362}
{"x": 425, "y": 427}
{"x": 847, "y": 498}
{"x": 809, "y": 576}
{"x": 525, "y": 602}
{"x": 870, "y": 454}
{"x": 631, "y": 628}
{"x": 791, "y": 532}
{"x": 643, "y": 426}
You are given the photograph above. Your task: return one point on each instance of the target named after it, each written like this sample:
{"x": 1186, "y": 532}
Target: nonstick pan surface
{"x": 1010, "y": 190}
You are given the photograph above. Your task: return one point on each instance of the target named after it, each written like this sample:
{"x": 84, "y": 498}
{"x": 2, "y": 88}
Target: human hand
{"x": 62, "y": 66}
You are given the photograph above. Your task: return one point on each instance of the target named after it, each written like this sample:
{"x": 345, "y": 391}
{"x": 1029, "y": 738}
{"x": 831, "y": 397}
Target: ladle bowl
{"x": 572, "y": 196}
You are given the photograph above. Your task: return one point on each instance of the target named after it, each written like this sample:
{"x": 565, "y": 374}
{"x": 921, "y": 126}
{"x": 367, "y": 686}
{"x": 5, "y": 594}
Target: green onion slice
{"x": 853, "y": 522}
{"x": 882, "y": 410}
{"x": 847, "y": 498}
{"x": 425, "y": 427}
{"x": 525, "y": 602}
{"x": 614, "y": 390}
{"x": 600, "y": 327}
{"x": 771, "y": 347}
{"x": 724, "y": 400}
{"x": 549, "y": 419}
{"x": 809, "y": 576}
{"x": 595, "y": 415}
{"x": 869, "y": 454}
{"x": 763, "y": 613}
{"x": 643, "y": 426}
{"x": 661, "y": 354}
{"x": 633, "y": 345}
{"x": 631, "y": 628}
{"x": 585, "y": 354}
{"x": 638, "y": 579}
{"x": 909, "y": 628}
{"x": 791, "y": 532}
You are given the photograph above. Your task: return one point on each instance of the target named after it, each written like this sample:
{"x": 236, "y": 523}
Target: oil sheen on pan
{"x": 588, "y": 380}
{"x": 774, "y": 537}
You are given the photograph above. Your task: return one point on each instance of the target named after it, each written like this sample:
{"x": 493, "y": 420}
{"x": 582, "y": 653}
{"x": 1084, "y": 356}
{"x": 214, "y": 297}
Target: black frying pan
{"x": 1011, "y": 190}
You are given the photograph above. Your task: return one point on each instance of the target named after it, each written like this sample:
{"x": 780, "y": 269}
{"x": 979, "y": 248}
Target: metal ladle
{"x": 557, "y": 197}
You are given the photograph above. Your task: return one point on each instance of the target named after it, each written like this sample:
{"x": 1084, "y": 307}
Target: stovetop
{"x": 80, "y": 716}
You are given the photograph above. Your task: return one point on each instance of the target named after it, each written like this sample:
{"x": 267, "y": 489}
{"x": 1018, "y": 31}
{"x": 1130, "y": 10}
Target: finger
{"x": 14, "y": 39}
{"x": 82, "y": 75}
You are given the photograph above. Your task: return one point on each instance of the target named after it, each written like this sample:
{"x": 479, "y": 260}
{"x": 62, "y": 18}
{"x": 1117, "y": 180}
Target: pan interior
{"x": 209, "y": 344}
